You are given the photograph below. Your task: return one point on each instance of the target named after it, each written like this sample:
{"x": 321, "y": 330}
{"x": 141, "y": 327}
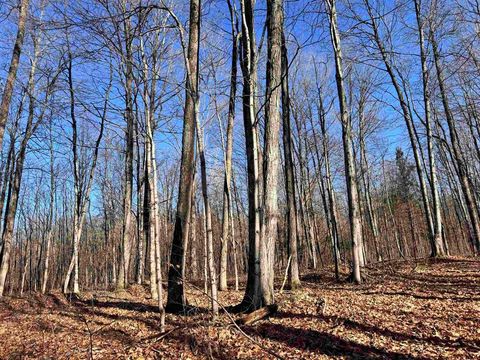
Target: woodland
{"x": 239, "y": 179}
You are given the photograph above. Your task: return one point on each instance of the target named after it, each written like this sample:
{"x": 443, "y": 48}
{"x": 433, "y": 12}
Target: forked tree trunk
{"x": 82, "y": 196}
{"x": 17, "y": 172}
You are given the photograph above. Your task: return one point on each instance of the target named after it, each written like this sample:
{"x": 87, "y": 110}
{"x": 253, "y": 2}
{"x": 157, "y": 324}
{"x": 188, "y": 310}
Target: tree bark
{"x": 293, "y": 273}
{"x": 436, "y": 243}
{"x": 226, "y": 233}
{"x": 465, "y": 181}
{"x": 176, "y": 292}
{"x": 271, "y": 154}
{"x": 248, "y": 56}
{"x": 12, "y": 71}
{"x": 347, "y": 136}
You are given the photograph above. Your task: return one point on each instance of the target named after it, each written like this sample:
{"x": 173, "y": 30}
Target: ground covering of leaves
{"x": 423, "y": 310}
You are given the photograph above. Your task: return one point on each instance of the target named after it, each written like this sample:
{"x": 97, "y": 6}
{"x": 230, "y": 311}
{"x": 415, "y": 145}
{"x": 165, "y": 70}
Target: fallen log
{"x": 257, "y": 315}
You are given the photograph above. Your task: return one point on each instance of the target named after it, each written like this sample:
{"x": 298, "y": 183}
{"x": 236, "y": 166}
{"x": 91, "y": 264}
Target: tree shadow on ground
{"x": 134, "y": 306}
{"x": 394, "y": 335}
{"x": 322, "y": 342}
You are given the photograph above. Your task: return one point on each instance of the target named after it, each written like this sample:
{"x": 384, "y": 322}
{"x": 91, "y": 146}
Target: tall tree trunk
{"x": 226, "y": 234}
{"x": 176, "y": 292}
{"x": 365, "y": 171}
{"x": 332, "y": 203}
{"x": 17, "y": 172}
{"x": 271, "y": 154}
{"x": 155, "y": 222}
{"x": 82, "y": 194}
{"x": 407, "y": 117}
{"x": 347, "y": 136}
{"x": 49, "y": 235}
{"x": 465, "y": 181}
{"x": 122, "y": 280}
{"x": 293, "y": 272}
{"x": 252, "y": 298}
{"x": 140, "y": 265}
{"x": 208, "y": 220}
{"x": 436, "y": 243}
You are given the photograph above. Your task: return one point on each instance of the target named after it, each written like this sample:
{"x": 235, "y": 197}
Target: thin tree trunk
{"x": 48, "y": 239}
{"x": 293, "y": 272}
{"x": 226, "y": 234}
{"x": 208, "y": 220}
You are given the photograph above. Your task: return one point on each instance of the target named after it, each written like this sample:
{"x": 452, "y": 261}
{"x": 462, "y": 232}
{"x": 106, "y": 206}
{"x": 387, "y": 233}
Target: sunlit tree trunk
{"x": 437, "y": 248}
{"x": 271, "y": 154}
{"x": 208, "y": 222}
{"x": 406, "y": 115}
{"x": 176, "y": 291}
{"x": 48, "y": 237}
{"x": 226, "y": 233}
{"x": 465, "y": 181}
{"x": 347, "y": 136}
{"x": 122, "y": 280}
{"x": 82, "y": 194}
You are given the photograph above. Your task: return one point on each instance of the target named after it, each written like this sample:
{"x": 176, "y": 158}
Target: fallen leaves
{"x": 427, "y": 310}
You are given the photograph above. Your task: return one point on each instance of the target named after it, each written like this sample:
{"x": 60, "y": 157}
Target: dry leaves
{"x": 427, "y": 310}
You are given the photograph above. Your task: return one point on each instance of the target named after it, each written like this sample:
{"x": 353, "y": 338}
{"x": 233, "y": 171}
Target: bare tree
{"x": 293, "y": 272}
{"x": 176, "y": 291}
{"x": 82, "y": 186}
{"x": 227, "y": 198}
{"x": 347, "y": 136}
{"x": 248, "y": 61}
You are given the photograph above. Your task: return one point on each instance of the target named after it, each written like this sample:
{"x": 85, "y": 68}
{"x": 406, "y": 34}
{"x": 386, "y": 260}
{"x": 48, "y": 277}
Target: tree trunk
{"x": 293, "y": 273}
{"x": 12, "y": 71}
{"x": 49, "y": 235}
{"x": 176, "y": 292}
{"x": 271, "y": 154}
{"x": 408, "y": 119}
{"x": 122, "y": 280}
{"x": 465, "y": 181}
{"x": 252, "y": 299}
{"x": 208, "y": 221}
{"x": 347, "y": 136}
{"x": 436, "y": 243}
{"x": 226, "y": 234}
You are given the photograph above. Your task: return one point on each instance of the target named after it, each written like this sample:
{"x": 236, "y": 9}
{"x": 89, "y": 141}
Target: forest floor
{"x": 423, "y": 310}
